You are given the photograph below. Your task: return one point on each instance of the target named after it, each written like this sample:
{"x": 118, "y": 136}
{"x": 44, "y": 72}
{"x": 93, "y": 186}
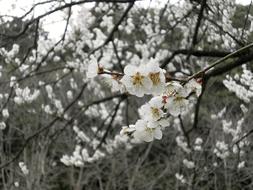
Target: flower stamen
{"x": 155, "y": 78}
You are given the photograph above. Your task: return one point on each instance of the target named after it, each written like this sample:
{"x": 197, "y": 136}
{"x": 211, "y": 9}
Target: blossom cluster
{"x": 169, "y": 98}
{"x": 83, "y": 155}
{"x": 234, "y": 141}
{"x": 241, "y": 85}
{"x": 25, "y": 95}
{"x": 5, "y": 115}
{"x": 173, "y": 101}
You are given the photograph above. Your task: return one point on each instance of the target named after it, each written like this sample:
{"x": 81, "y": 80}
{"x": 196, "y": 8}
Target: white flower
{"x": 25, "y": 95}
{"x": 147, "y": 131}
{"x": 93, "y": 68}
{"x": 16, "y": 184}
{"x": 188, "y": 164}
{"x": 193, "y": 86}
{"x": 23, "y": 168}
{"x": 175, "y": 98}
{"x": 156, "y": 75}
{"x": 117, "y": 86}
{"x": 56, "y": 58}
{"x": 198, "y": 141}
{"x": 152, "y": 111}
{"x": 180, "y": 177}
{"x": 12, "y": 81}
{"x": 127, "y": 130}
{"x": 171, "y": 88}
{"x": 65, "y": 160}
{"x": 58, "y": 106}
{"x": 136, "y": 80}
{"x": 177, "y": 103}
{"x": 221, "y": 150}
{"x": 164, "y": 122}
{"x": 70, "y": 95}
{"x": 241, "y": 165}
{"x": 48, "y": 109}
{"x": 81, "y": 135}
{"x": 197, "y": 148}
{"x": 41, "y": 83}
{"x": 182, "y": 144}
{"x": 2, "y": 125}
{"x": 114, "y": 83}
{"x": 5, "y": 113}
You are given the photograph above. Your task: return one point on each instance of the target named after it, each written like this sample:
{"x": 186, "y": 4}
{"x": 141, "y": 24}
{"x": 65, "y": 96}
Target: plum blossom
{"x": 156, "y": 75}
{"x": 5, "y": 113}
{"x": 2, "y": 125}
{"x": 176, "y": 103}
{"x": 127, "y": 130}
{"x": 147, "y": 131}
{"x": 23, "y": 168}
{"x": 180, "y": 177}
{"x": 152, "y": 111}
{"x": 193, "y": 86}
{"x": 16, "y": 184}
{"x": 93, "y": 68}
{"x": 25, "y": 95}
{"x": 81, "y": 135}
{"x": 171, "y": 88}
{"x": 189, "y": 164}
{"x": 115, "y": 83}
{"x": 241, "y": 165}
{"x": 198, "y": 141}
{"x": 198, "y": 144}
{"x": 221, "y": 150}
{"x": 182, "y": 144}
{"x": 69, "y": 94}
{"x": 136, "y": 80}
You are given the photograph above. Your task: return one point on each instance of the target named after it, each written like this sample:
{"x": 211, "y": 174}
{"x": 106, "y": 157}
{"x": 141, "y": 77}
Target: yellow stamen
{"x": 138, "y": 79}
{"x": 155, "y": 77}
{"x": 149, "y": 130}
{"x": 155, "y": 112}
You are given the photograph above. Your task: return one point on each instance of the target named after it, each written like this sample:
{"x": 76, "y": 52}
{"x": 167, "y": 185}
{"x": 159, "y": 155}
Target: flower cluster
{"x": 180, "y": 177}
{"x": 221, "y": 150}
{"x": 169, "y": 98}
{"x": 82, "y": 155}
{"x": 241, "y": 85}
{"x": 189, "y": 164}
{"x": 2, "y": 125}
{"x": 25, "y": 95}
{"x": 154, "y": 115}
{"x": 148, "y": 79}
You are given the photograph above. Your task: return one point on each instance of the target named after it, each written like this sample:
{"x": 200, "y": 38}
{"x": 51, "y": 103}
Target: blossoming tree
{"x": 132, "y": 95}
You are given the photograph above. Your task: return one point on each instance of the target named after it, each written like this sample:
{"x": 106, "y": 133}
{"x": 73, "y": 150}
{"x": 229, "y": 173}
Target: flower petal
{"x": 158, "y": 133}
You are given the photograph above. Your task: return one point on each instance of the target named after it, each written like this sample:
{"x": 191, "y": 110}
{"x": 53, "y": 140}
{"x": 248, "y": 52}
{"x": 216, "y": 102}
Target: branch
{"x": 67, "y": 5}
{"x": 196, "y": 53}
{"x": 186, "y": 135}
{"x": 227, "y": 67}
{"x": 243, "y": 137}
{"x": 230, "y": 66}
{"x": 109, "y": 125}
{"x": 196, "y": 114}
{"x": 200, "y": 16}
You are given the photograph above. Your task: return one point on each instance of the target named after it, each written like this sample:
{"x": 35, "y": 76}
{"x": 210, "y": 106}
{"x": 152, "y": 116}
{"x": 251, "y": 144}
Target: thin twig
{"x": 220, "y": 61}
